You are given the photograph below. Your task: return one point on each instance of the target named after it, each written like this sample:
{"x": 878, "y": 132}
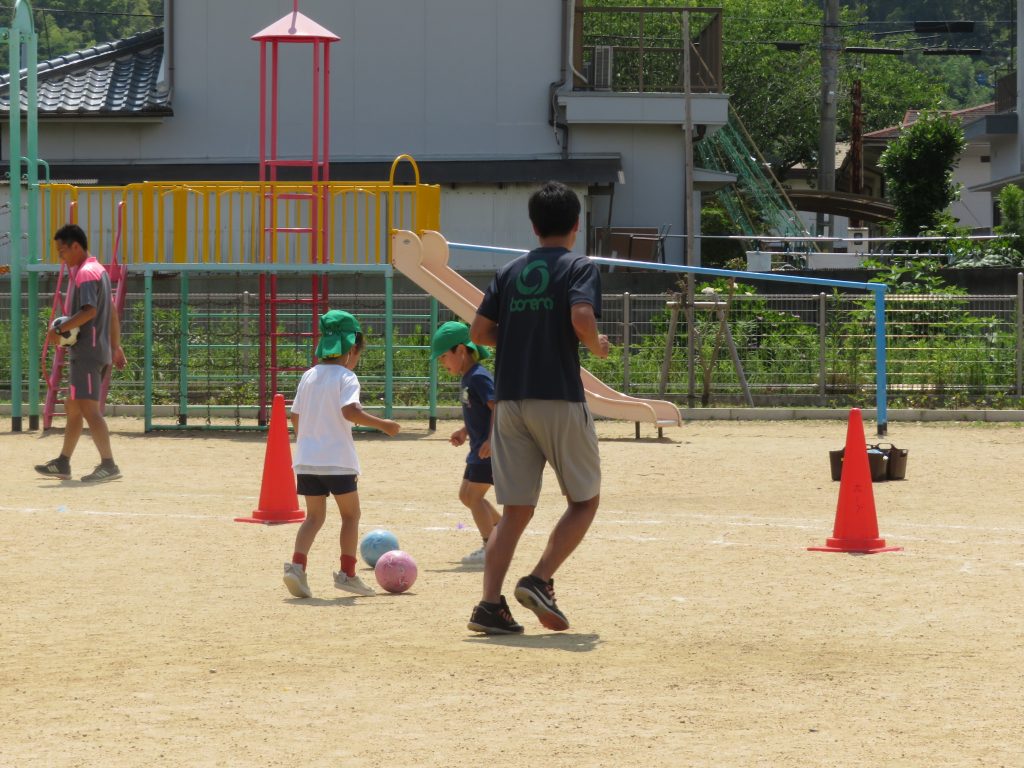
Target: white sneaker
{"x": 474, "y": 558}
{"x": 352, "y": 584}
{"x": 295, "y": 580}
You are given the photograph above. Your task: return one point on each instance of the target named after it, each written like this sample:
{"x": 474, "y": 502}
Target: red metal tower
{"x": 312, "y": 224}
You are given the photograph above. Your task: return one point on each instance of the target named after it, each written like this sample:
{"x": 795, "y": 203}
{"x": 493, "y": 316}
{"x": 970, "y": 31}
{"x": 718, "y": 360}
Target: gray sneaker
{"x": 59, "y": 468}
{"x": 101, "y": 474}
{"x": 295, "y": 580}
{"x": 475, "y": 557}
{"x": 352, "y": 584}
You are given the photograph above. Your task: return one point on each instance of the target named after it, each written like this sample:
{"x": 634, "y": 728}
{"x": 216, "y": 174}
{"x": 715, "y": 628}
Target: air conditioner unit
{"x": 855, "y": 238}
{"x": 603, "y": 55}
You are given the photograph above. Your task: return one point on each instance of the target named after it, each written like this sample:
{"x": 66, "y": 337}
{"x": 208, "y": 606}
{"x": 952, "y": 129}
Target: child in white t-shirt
{"x": 326, "y": 406}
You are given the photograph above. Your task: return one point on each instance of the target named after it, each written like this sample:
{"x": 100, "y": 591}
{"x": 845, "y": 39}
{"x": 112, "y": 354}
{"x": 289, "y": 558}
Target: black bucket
{"x": 835, "y": 459}
{"x": 878, "y": 461}
{"x": 885, "y": 462}
{"x": 897, "y": 469}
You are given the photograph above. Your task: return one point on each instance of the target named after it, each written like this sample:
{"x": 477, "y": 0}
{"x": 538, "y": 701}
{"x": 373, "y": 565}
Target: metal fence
{"x": 802, "y": 349}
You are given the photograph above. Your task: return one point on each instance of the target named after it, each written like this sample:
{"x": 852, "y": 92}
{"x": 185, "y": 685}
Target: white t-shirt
{"x": 324, "y": 444}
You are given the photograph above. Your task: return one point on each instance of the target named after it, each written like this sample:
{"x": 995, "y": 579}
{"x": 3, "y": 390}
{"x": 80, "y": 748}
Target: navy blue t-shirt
{"x": 476, "y": 391}
{"x": 531, "y": 300}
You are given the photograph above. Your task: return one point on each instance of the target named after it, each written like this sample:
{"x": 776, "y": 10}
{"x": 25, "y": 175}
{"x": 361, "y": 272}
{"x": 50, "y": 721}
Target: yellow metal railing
{"x": 224, "y": 222}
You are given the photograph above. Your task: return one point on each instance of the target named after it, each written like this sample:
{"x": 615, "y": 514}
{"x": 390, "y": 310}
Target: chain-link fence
{"x": 786, "y": 350}
{"x": 944, "y": 351}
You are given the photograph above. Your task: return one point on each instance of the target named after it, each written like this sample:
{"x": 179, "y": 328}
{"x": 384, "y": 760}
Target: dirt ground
{"x": 141, "y": 626}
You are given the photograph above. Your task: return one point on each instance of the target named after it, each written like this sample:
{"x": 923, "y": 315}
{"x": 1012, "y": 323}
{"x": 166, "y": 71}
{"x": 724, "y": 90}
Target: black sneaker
{"x": 539, "y": 596}
{"x": 59, "y": 468}
{"x": 494, "y": 619}
{"x": 102, "y": 474}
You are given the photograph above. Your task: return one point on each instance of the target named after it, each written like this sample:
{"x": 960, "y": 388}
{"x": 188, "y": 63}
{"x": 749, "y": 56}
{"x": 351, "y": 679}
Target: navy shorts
{"x": 324, "y": 485}
{"x": 479, "y": 473}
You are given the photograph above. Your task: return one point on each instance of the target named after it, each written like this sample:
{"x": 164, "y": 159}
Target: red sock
{"x": 348, "y": 565}
{"x": 299, "y": 559}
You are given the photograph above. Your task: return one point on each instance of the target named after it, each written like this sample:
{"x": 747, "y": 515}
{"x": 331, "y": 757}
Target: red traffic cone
{"x": 856, "y": 526}
{"x": 279, "y": 503}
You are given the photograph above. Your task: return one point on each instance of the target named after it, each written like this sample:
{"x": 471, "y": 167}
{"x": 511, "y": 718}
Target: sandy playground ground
{"x": 141, "y": 626}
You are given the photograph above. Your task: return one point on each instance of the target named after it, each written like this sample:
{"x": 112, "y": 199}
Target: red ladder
{"x": 281, "y": 318}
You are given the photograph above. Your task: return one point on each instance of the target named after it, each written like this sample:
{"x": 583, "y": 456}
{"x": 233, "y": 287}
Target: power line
{"x": 100, "y": 13}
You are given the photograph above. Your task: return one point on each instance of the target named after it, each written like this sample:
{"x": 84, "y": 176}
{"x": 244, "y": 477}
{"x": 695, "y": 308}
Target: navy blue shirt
{"x": 531, "y": 299}
{"x": 476, "y": 391}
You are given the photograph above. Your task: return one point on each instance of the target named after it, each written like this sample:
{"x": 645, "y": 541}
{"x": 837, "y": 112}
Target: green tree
{"x": 715, "y": 220}
{"x": 64, "y": 26}
{"x": 1011, "y": 212}
{"x": 918, "y": 168}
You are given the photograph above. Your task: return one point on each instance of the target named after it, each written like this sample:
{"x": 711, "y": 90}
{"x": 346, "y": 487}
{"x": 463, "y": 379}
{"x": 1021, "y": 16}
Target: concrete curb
{"x": 688, "y": 414}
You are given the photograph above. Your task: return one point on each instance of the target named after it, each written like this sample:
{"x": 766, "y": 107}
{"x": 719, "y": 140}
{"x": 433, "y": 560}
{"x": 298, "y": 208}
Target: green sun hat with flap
{"x": 451, "y": 333}
{"x": 338, "y": 331}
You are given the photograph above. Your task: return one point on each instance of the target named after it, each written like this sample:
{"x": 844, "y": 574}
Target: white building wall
{"x": 973, "y": 209}
{"x": 1003, "y": 157}
{"x": 490, "y": 216}
{"x": 652, "y": 170}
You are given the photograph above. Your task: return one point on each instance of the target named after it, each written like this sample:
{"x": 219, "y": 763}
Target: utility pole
{"x": 856, "y": 147}
{"x": 689, "y": 218}
{"x": 830, "y": 47}
{"x": 1020, "y": 74}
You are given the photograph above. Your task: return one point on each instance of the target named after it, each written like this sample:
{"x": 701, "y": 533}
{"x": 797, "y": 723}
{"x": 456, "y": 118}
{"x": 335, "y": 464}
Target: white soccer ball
{"x": 68, "y": 337}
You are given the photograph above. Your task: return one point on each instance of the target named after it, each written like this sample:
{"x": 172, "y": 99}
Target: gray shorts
{"x": 530, "y": 433}
{"x": 85, "y": 379}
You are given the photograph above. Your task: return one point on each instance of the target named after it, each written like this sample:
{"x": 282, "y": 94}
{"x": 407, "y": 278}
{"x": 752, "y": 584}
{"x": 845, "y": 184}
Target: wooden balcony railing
{"x": 1006, "y": 93}
{"x": 640, "y": 49}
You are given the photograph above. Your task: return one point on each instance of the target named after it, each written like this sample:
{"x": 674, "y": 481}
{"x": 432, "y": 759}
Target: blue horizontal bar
{"x": 740, "y": 274}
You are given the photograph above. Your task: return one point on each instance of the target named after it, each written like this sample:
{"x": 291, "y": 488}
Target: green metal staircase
{"x": 756, "y": 203}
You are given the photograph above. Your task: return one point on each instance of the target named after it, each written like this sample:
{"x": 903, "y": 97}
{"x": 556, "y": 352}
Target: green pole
{"x": 147, "y": 364}
{"x": 389, "y": 345}
{"x": 21, "y": 30}
{"x": 432, "y": 370}
{"x": 32, "y": 203}
{"x": 14, "y": 153}
{"x": 183, "y": 352}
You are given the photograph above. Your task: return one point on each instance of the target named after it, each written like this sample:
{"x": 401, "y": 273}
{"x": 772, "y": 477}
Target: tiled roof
{"x": 117, "y": 79}
{"x": 964, "y": 115}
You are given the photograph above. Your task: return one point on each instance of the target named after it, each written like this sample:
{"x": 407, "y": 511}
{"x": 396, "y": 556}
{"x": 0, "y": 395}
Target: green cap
{"x": 451, "y": 333}
{"x": 338, "y": 331}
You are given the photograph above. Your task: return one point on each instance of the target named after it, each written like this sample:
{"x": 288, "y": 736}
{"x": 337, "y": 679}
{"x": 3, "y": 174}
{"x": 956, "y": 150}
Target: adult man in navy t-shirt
{"x": 536, "y": 311}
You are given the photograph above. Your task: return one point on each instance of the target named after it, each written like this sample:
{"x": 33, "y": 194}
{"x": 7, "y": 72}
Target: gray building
{"x": 1001, "y": 131}
{"x": 489, "y": 96}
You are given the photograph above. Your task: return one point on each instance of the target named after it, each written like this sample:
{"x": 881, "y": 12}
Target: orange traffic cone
{"x": 279, "y": 503}
{"x": 856, "y": 526}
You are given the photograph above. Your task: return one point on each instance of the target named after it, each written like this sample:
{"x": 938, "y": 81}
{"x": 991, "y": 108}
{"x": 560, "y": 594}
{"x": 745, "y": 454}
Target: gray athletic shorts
{"x": 85, "y": 379}
{"x": 530, "y": 433}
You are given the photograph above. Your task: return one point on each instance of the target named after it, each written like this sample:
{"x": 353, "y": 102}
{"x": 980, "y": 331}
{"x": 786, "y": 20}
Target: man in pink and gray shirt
{"x": 98, "y": 346}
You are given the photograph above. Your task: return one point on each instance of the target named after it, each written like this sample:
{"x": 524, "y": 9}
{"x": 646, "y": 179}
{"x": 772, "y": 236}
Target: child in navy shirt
{"x": 461, "y": 357}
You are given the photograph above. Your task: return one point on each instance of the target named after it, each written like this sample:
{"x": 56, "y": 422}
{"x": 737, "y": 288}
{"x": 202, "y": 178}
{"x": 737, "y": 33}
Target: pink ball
{"x": 395, "y": 571}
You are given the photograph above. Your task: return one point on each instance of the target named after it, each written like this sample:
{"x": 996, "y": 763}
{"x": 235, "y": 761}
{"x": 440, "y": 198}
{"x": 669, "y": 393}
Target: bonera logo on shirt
{"x": 531, "y": 284}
